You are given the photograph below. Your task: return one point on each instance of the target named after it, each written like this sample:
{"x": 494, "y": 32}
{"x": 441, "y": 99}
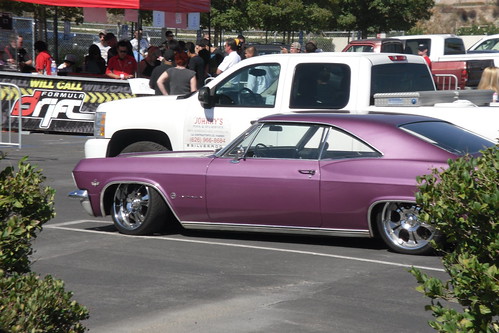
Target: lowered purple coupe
{"x": 309, "y": 173}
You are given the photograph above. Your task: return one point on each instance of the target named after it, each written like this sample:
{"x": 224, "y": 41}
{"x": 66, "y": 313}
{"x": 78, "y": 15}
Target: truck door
{"x": 244, "y": 96}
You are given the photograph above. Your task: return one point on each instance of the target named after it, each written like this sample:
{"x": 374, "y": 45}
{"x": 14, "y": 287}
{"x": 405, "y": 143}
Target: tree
{"x": 373, "y": 16}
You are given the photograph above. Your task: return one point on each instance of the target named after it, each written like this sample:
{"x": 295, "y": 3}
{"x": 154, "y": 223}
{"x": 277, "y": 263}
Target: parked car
{"x": 485, "y": 45}
{"x": 271, "y": 48}
{"x": 306, "y": 173}
{"x": 376, "y": 45}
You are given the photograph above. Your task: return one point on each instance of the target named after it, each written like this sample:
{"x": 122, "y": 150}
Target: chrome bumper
{"x": 84, "y": 200}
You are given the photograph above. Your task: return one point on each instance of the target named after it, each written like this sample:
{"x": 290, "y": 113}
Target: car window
{"x": 320, "y": 86}
{"x": 400, "y": 77}
{"x": 448, "y": 137}
{"x": 454, "y": 46}
{"x": 283, "y": 141}
{"x": 252, "y": 86}
{"x": 491, "y": 44}
{"x": 411, "y": 45}
{"x": 341, "y": 145}
{"x": 392, "y": 47}
{"x": 360, "y": 48}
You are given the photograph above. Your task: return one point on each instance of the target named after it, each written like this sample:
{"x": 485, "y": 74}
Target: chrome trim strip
{"x": 275, "y": 229}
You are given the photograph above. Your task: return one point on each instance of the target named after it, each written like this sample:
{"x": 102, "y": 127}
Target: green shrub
{"x": 31, "y": 304}
{"x": 25, "y": 205}
{"x": 462, "y": 202}
{"x": 27, "y": 302}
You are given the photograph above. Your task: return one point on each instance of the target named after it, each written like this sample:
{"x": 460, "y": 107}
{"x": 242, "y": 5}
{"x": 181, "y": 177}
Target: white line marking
{"x": 265, "y": 248}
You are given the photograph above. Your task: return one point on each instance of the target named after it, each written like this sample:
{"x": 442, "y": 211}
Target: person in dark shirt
{"x": 182, "y": 80}
{"x": 16, "y": 54}
{"x": 147, "y": 65}
{"x": 156, "y": 73}
{"x": 196, "y": 63}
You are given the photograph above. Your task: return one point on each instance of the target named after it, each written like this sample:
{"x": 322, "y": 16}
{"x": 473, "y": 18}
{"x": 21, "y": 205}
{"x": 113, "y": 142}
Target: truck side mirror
{"x": 205, "y": 98}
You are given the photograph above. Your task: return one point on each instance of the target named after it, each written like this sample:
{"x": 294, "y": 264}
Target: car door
{"x": 275, "y": 183}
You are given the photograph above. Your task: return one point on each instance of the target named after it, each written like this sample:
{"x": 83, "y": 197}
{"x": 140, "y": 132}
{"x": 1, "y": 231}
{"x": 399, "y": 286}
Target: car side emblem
{"x": 95, "y": 182}
{"x": 173, "y": 195}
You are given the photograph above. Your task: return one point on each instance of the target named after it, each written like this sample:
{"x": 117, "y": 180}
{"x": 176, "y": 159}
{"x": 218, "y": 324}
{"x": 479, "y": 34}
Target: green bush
{"x": 462, "y": 202}
{"x": 28, "y": 303}
{"x": 31, "y": 304}
{"x": 25, "y": 205}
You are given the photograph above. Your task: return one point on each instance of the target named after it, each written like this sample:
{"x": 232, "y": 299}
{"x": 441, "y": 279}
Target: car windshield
{"x": 448, "y": 137}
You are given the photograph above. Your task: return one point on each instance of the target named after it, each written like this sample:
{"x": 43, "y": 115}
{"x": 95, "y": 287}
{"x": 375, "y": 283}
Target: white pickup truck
{"x": 259, "y": 86}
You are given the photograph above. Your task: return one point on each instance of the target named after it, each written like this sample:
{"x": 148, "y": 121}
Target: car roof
{"x": 375, "y": 40}
{"x": 346, "y": 118}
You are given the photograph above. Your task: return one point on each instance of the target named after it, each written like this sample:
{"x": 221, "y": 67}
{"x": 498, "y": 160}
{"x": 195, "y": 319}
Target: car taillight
{"x": 397, "y": 58}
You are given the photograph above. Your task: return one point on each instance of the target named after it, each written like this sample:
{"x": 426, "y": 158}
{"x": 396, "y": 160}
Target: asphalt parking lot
{"x": 217, "y": 282}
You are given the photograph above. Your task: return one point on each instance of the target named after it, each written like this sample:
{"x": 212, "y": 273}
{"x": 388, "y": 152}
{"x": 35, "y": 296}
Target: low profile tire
{"x": 138, "y": 210}
{"x": 402, "y": 230}
{"x": 143, "y": 146}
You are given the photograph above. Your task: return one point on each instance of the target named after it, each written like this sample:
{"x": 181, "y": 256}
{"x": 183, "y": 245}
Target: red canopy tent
{"x": 174, "y": 6}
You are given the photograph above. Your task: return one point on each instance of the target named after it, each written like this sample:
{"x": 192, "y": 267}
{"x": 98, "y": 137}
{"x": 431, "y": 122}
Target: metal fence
{"x": 10, "y": 98}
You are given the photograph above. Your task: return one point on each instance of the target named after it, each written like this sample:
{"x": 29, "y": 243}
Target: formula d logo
{"x": 49, "y": 105}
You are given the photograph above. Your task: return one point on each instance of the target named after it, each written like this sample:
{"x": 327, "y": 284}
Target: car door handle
{"x": 307, "y": 172}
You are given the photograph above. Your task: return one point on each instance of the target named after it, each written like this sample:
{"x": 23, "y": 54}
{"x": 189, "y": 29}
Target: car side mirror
{"x": 239, "y": 154}
{"x": 204, "y": 96}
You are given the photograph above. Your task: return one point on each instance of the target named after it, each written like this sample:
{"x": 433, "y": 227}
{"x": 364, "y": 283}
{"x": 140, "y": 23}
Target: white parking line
{"x": 62, "y": 226}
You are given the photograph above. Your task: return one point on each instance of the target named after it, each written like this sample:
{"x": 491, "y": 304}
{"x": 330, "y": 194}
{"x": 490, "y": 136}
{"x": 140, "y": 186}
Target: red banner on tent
{"x": 174, "y": 6}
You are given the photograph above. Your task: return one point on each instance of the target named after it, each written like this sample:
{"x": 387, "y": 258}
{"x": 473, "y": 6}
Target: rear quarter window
{"x": 448, "y": 137}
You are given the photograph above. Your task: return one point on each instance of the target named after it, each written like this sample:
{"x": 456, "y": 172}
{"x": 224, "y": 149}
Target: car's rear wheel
{"x": 138, "y": 209}
{"x": 143, "y": 146}
{"x": 402, "y": 230}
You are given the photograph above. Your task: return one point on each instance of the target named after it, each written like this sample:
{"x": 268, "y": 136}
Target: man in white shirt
{"x": 232, "y": 56}
{"x": 103, "y": 47}
{"x": 144, "y": 44}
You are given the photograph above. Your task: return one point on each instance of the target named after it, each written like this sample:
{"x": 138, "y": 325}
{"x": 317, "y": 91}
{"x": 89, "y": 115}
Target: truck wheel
{"x": 143, "y": 146}
{"x": 138, "y": 210}
{"x": 402, "y": 230}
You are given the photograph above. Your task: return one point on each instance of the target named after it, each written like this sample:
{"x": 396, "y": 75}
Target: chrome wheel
{"x": 137, "y": 209}
{"x": 403, "y": 231}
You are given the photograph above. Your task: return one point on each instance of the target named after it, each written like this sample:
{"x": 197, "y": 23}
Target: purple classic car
{"x": 309, "y": 173}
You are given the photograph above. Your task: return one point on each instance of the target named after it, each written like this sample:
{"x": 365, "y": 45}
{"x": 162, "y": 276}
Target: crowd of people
{"x": 174, "y": 67}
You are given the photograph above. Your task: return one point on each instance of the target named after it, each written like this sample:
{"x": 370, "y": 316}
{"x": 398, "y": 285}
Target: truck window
{"x": 454, "y": 46}
{"x": 392, "y": 47}
{"x": 251, "y": 86}
{"x": 400, "y": 77}
{"x": 411, "y": 45}
{"x": 320, "y": 86}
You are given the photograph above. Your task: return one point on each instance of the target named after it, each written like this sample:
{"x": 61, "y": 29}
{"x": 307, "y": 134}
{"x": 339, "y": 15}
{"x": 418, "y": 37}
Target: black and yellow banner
{"x": 65, "y": 104}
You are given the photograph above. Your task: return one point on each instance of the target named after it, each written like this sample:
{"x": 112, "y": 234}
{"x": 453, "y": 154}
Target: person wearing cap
{"x": 423, "y": 51}
{"x": 310, "y": 47}
{"x": 103, "y": 47}
{"x": 294, "y": 48}
{"x": 69, "y": 64}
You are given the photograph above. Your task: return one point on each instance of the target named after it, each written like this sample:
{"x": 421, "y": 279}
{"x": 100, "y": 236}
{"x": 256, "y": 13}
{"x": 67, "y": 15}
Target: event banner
{"x": 64, "y": 104}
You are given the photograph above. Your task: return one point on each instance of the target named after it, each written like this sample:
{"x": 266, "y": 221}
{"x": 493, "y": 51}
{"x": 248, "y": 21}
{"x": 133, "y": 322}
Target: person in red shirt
{"x": 423, "y": 51}
{"x": 43, "y": 59}
{"x": 122, "y": 66}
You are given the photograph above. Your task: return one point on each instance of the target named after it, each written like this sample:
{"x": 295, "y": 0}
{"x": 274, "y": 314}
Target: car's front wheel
{"x": 402, "y": 230}
{"x": 138, "y": 209}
